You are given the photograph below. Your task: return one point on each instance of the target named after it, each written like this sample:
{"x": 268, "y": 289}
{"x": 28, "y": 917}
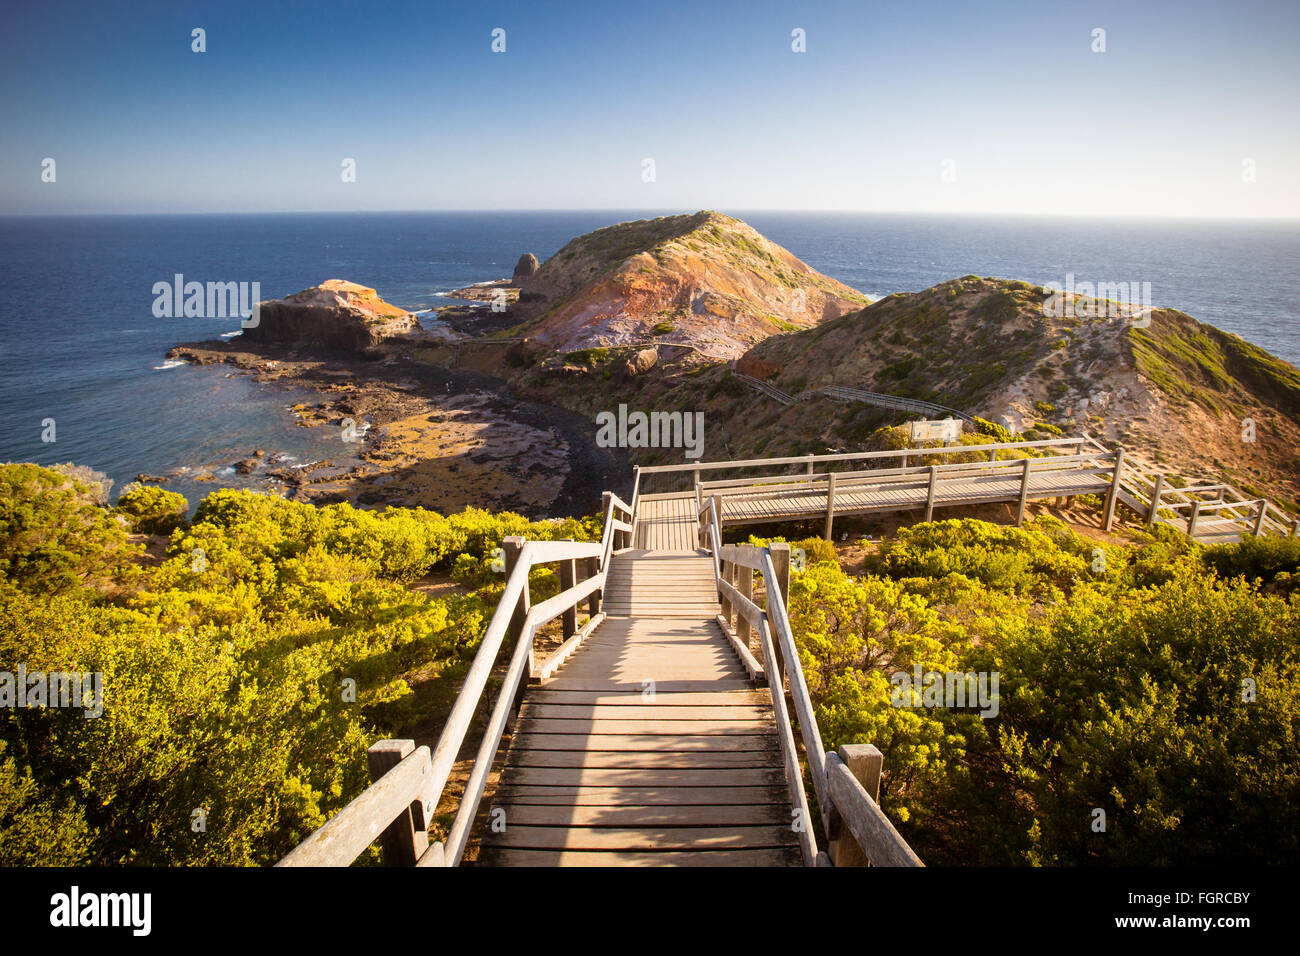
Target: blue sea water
{"x": 81, "y": 344}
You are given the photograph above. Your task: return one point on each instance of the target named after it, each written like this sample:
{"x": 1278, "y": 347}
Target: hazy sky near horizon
{"x": 941, "y": 107}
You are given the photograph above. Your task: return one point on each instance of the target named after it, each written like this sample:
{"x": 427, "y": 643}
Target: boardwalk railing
{"x": 890, "y": 457}
{"x": 846, "y": 781}
{"x": 398, "y": 807}
{"x": 1014, "y": 473}
{"x": 1216, "y": 511}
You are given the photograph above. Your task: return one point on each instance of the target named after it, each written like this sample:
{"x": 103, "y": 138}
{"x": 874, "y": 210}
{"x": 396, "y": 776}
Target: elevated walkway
{"x": 662, "y": 730}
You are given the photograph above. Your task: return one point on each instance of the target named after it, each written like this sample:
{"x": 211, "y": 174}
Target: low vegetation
{"x": 1148, "y": 695}
{"x": 244, "y": 675}
{"x": 1147, "y": 705}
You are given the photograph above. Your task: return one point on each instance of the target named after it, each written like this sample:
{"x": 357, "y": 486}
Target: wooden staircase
{"x": 644, "y": 738}
{"x": 661, "y": 584}
{"x": 651, "y": 745}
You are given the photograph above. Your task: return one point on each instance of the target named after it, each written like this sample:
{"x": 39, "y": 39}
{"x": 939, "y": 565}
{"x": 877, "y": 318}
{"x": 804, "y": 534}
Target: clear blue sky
{"x": 1032, "y": 120}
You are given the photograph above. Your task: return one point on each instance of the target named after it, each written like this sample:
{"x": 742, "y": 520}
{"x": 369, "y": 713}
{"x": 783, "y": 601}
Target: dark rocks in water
{"x": 151, "y": 479}
{"x": 246, "y": 466}
{"x": 526, "y": 266}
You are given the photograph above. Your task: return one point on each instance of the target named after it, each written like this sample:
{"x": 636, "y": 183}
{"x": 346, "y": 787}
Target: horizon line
{"x": 667, "y": 211}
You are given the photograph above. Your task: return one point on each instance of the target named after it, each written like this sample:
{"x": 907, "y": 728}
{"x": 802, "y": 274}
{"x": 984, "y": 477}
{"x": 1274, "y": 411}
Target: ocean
{"x": 82, "y": 346}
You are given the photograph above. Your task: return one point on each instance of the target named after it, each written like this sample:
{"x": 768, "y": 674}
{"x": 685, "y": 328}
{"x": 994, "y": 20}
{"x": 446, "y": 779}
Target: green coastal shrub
{"x": 1158, "y": 691}
{"x": 54, "y": 535}
{"x": 244, "y": 676}
{"x": 152, "y": 510}
{"x": 1262, "y": 559}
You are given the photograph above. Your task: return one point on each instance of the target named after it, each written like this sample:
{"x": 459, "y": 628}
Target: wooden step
{"x": 500, "y": 856}
{"x": 629, "y": 743}
{"x": 640, "y": 759}
{"x": 725, "y": 815}
{"x": 642, "y": 712}
{"x": 640, "y": 838}
{"x": 509, "y": 792}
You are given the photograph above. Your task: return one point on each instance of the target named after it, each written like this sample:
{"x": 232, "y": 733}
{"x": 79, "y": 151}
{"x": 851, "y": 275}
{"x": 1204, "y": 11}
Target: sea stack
{"x": 525, "y": 267}
{"x": 336, "y": 314}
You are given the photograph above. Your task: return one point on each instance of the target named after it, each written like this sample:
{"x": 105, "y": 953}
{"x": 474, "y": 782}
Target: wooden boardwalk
{"x": 662, "y": 731}
{"x": 651, "y": 745}
{"x": 667, "y": 522}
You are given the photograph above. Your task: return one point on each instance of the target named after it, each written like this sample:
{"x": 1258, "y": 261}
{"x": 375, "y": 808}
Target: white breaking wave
{"x": 172, "y": 363}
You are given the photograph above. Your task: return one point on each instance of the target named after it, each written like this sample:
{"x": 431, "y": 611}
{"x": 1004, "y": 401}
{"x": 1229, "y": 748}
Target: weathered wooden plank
{"x": 713, "y": 743}
{"x": 638, "y": 838}
{"x": 642, "y": 712}
{"x": 347, "y": 834}
{"x": 660, "y": 726}
{"x": 548, "y": 695}
{"x": 575, "y": 777}
{"x": 726, "y": 815}
{"x": 775, "y": 856}
{"x": 640, "y": 759}
{"x": 608, "y": 685}
{"x": 509, "y": 793}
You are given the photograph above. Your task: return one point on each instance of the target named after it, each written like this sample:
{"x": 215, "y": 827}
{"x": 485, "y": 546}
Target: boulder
{"x": 642, "y": 362}
{"x": 336, "y": 315}
{"x": 526, "y": 266}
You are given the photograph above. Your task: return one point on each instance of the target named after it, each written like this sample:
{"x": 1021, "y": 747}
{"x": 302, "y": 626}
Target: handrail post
{"x": 513, "y": 546}
{"x": 406, "y": 838}
{"x": 1259, "y": 519}
{"x": 724, "y": 602}
{"x": 607, "y": 509}
{"x": 1191, "y": 520}
{"x": 1155, "y": 498}
{"x": 591, "y": 568}
{"x": 779, "y": 552}
{"x": 1024, "y": 492}
{"x": 1112, "y": 496}
{"x": 865, "y": 762}
{"x": 929, "y": 498}
{"x": 746, "y": 589}
{"x": 830, "y": 505}
{"x": 569, "y": 578}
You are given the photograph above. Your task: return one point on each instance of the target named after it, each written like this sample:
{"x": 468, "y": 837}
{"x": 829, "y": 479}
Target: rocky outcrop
{"x": 525, "y": 267}
{"x": 643, "y": 361}
{"x": 336, "y": 315}
{"x": 712, "y": 280}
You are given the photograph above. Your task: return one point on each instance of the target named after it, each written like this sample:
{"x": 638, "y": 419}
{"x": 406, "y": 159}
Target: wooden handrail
{"x": 417, "y": 783}
{"x": 548, "y": 610}
{"x": 866, "y": 821}
{"x": 856, "y": 456}
{"x": 346, "y": 835}
{"x": 880, "y": 842}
